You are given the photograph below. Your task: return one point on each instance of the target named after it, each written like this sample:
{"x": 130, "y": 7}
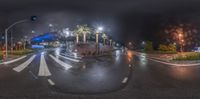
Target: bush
{"x": 190, "y": 56}
{"x": 20, "y": 52}
{"x": 163, "y": 47}
{"x": 148, "y": 46}
{"x": 170, "y": 47}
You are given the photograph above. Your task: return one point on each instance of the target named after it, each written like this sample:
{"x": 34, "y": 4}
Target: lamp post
{"x": 99, "y": 30}
{"x": 33, "y": 18}
{"x": 181, "y": 41}
{"x": 6, "y": 34}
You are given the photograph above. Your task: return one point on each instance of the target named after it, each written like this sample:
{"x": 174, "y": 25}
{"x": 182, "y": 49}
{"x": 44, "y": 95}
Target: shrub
{"x": 170, "y": 47}
{"x": 148, "y": 46}
{"x": 190, "y": 56}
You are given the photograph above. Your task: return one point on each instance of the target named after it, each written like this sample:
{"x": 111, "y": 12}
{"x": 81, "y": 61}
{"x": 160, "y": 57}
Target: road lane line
{"x": 51, "y": 82}
{"x": 174, "y": 64}
{"x": 67, "y": 66}
{"x": 43, "y": 70}
{"x": 24, "y": 65}
{"x": 167, "y": 63}
{"x": 33, "y": 75}
{"x": 14, "y": 60}
{"x": 78, "y": 57}
{"x": 125, "y": 80}
{"x": 74, "y": 60}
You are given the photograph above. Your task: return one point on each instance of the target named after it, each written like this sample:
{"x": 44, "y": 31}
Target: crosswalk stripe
{"x": 14, "y": 60}
{"x": 71, "y": 59}
{"x": 66, "y": 54}
{"x": 67, "y": 66}
{"x": 43, "y": 70}
{"x": 24, "y": 65}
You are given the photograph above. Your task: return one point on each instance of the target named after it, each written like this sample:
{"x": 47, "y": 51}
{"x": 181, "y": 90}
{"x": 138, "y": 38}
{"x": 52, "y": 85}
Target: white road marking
{"x": 79, "y": 57}
{"x": 14, "y": 60}
{"x": 67, "y": 66}
{"x": 172, "y": 64}
{"x": 51, "y": 82}
{"x": 24, "y": 65}
{"x": 33, "y": 75}
{"x": 125, "y": 80}
{"x": 43, "y": 70}
{"x": 74, "y": 60}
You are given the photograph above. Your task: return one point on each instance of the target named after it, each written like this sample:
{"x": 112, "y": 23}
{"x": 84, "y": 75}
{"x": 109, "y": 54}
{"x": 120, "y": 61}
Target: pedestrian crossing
{"x": 43, "y": 70}
{"x": 67, "y": 66}
{"x": 24, "y": 65}
{"x": 43, "y": 67}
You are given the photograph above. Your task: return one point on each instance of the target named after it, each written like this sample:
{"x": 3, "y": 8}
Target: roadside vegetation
{"x": 188, "y": 56}
{"x": 20, "y": 52}
{"x": 16, "y": 53}
{"x": 162, "y": 48}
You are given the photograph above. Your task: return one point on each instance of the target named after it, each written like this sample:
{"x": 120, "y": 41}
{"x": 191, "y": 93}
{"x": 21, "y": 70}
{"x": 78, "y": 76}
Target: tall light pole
{"x": 33, "y": 18}
{"x": 181, "y": 41}
{"x": 99, "y": 30}
{"x": 6, "y": 34}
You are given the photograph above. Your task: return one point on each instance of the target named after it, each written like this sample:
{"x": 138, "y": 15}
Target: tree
{"x": 148, "y": 46}
{"x": 188, "y": 30}
{"x": 104, "y": 36}
{"x": 82, "y": 29}
{"x": 77, "y": 33}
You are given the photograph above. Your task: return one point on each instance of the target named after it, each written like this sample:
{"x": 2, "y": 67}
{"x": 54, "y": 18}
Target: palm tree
{"x": 77, "y": 32}
{"x": 83, "y": 29}
{"x": 104, "y": 36}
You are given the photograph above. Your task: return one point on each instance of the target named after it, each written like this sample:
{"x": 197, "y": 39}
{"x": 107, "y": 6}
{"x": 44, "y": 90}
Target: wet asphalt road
{"x": 98, "y": 77}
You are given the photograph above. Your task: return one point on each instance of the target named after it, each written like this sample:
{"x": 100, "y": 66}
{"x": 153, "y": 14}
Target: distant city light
{"x": 50, "y": 25}
{"x": 32, "y": 31}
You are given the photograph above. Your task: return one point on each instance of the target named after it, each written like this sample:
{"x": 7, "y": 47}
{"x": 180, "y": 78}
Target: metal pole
{"x": 6, "y": 34}
{"x": 6, "y": 42}
{"x": 11, "y": 41}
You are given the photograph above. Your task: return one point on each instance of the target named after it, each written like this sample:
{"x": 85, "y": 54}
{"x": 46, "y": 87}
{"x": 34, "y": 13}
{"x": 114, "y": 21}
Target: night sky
{"x": 125, "y": 20}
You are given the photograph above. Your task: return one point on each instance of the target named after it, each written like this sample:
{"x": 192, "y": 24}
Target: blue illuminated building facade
{"x": 47, "y": 37}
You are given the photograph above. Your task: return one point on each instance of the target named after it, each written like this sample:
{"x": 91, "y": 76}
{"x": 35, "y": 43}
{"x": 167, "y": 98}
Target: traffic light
{"x": 33, "y": 18}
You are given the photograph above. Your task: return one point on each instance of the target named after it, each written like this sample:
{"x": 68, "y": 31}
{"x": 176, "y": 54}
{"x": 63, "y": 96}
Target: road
{"x": 53, "y": 73}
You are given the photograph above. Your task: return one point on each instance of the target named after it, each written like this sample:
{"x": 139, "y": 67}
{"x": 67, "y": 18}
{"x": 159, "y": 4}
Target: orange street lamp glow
{"x": 180, "y": 35}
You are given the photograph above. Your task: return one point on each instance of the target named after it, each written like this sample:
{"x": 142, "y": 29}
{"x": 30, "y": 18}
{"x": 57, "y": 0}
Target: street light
{"x": 33, "y": 31}
{"x": 181, "y": 41}
{"x": 50, "y": 25}
{"x": 33, "y": 18}
{"x": 99, "y": 30}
